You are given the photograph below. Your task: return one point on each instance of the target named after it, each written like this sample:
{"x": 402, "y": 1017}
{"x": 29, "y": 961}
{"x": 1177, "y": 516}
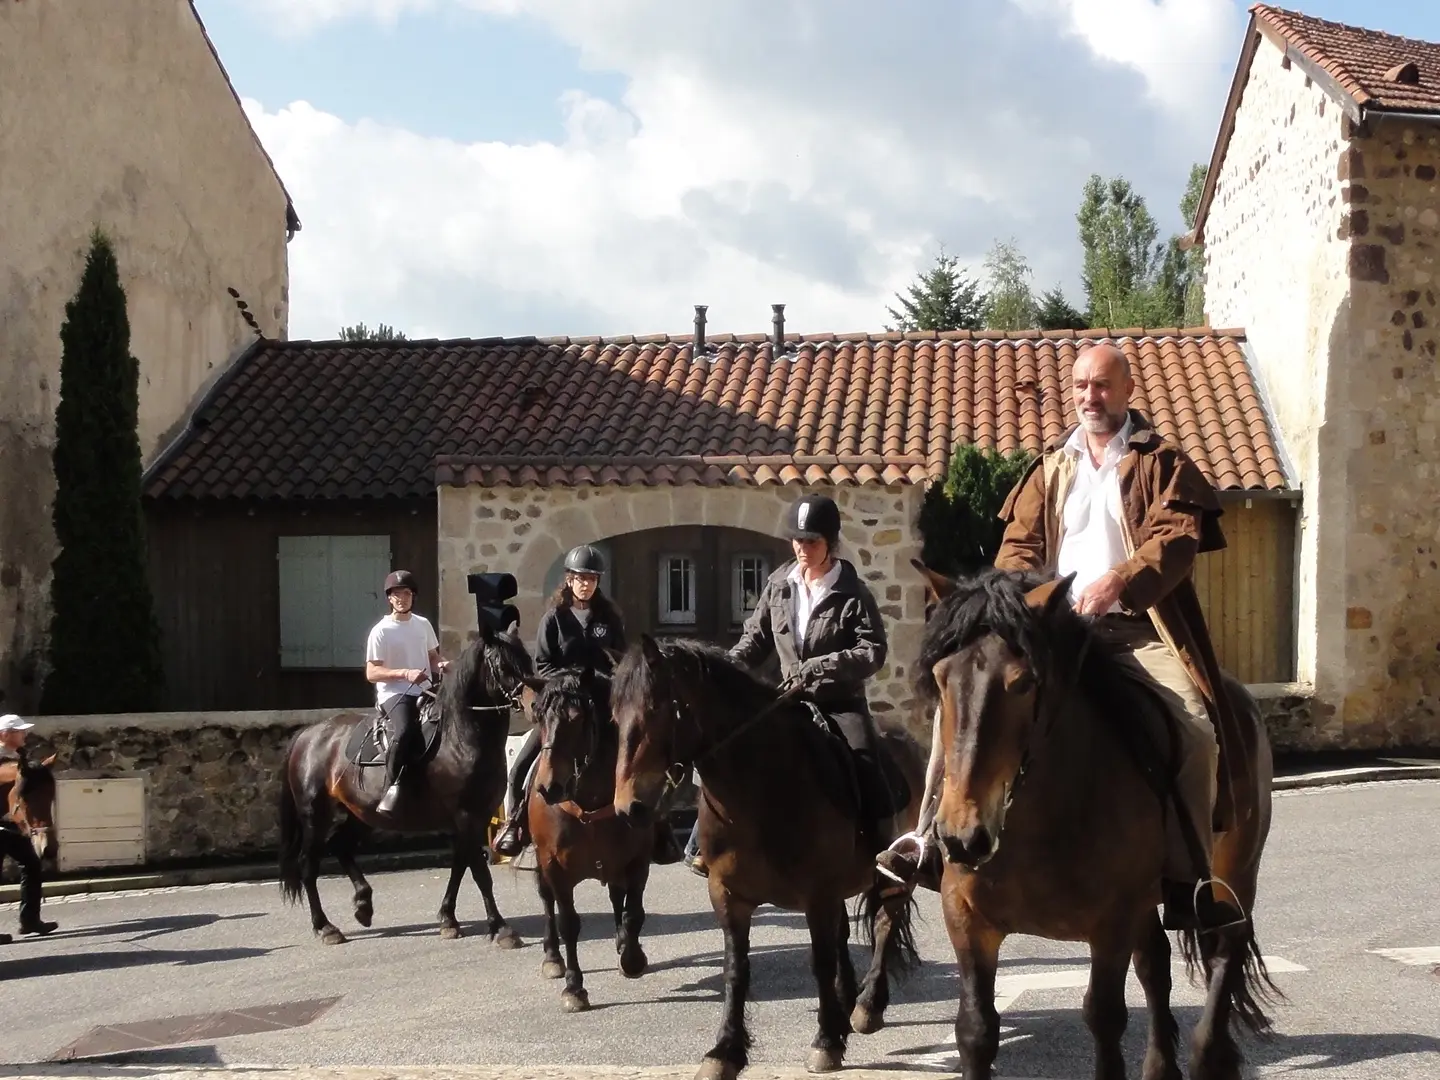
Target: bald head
{"x": 1102, "y": 388}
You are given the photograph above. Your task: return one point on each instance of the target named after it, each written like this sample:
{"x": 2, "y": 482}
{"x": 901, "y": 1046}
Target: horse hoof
{"x": 507, "y": 938}
{"x": 573, "y": 1001}
{"x": 552, "y": 969}
{"x": 824, "y": 1061}
{"x": 364, "y": 914}
{"x": 632, "y": 966}
{"x": 331, "y": 936}
{"x": 450, "y": 933}
{"x": 713, "y": 1069}
{"x": 865, "y": 1022}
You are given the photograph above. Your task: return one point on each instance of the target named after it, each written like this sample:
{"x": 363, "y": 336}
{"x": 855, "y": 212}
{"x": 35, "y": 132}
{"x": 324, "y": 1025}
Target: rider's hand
{"x": 1100, "y": 595}
{"x": 415, "y": 675}
{"x": 441, "y": 666}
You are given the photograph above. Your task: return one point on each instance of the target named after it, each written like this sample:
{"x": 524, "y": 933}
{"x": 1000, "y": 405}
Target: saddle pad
{"x": 362, "y": 750}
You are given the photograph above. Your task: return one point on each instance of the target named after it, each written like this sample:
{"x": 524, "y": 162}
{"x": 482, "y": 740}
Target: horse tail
{"x": 902, "y": 954}
{"x": 1247, "y": 979}
{"x": 292, "y": 842}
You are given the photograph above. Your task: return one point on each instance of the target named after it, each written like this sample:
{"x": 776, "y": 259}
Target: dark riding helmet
{"x": 585, "y": 559}
{"x": 813, "y": 517}
{"x": 401, "y": 579}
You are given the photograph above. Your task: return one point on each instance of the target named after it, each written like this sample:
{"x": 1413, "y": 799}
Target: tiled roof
{"x": 337, "y": 420}
{"x": 1365, "y": 63}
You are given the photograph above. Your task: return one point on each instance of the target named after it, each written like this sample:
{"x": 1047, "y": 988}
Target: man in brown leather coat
{"x": 1126, "y": 511}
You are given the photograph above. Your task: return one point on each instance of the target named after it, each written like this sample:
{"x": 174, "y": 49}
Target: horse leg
{"x": 459, "y": 860}
{"x": 731, "y": 1051}
{"x": 342, "y": 846}
{"x": 574, "y": 998}
{"x": 633, "y": 960}
{"x": 827, "y": 929}
{"x": 1152, "y": 968}
{"x": 1104, "y": 1009}
{"x": 551, "y": 967}
{"x": 977, "y": 1023}
{"x": 317, "y": 828}
{"x": 1214, "y": 1054}
{"x": 868, "y": 1013}
{"x": 501, "y": 932}
{"x": 845, "y": 971}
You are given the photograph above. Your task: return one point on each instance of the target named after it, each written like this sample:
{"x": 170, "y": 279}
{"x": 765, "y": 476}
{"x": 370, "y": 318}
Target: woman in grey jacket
{"x": 821, "y": 622}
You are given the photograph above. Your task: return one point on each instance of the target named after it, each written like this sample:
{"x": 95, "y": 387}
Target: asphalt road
{"x": 1349, "y": 872}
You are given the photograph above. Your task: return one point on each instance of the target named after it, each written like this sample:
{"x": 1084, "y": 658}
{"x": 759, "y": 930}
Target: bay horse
{"x": 1053, "y": 748}
{"x": 577, "y": 834}
{"x": 326, "y": 797}
{"x": 778, "y": 825}
{"x": 27, "y": 798}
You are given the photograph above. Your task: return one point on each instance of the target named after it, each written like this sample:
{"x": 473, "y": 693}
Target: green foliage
{"x": 1193, "y": 303}
{"x": 1054, "y": 312}
{"x": 959, "y": 517}
{"x": 1010, "y": 304}
{"x": 361, "y": 332}
{"x": 104, "y": 647}
{"x": 942, "y": 298}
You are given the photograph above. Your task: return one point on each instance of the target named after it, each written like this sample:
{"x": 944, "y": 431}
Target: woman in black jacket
{"x": 580, "y": 625}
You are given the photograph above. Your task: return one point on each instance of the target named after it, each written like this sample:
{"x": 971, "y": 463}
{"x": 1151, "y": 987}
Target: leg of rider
{"x": 903, "y": 859}
{"x": 403, "y": 713}
{"x": 858, "y": 730}
{"x": 1195, "y": 782}
{"x": 514, "y": 836}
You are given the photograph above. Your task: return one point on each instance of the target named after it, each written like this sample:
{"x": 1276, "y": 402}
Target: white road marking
{"x": 1419, "y": 956}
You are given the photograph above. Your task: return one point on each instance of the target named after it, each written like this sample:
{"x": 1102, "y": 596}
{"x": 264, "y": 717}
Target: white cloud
{"x": 812, "y": 152}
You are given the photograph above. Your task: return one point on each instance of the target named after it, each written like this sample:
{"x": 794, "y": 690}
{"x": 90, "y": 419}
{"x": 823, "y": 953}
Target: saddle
{"x": 874, "y": 783}
{"x": 369, "y": 743}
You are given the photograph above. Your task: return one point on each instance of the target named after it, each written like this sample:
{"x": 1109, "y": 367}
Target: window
{"x": 330, "y": 597}
{"x": 747, "y": 578}
{"x": 677, "y": 589}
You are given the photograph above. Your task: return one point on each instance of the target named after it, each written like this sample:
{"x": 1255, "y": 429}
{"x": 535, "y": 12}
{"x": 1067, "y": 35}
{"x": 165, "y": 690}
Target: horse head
{"x": 31, "y": 804}
{"x": 985, "y": 662}
{"x": 571, "y": 711}
{"x": 492, "y": 675}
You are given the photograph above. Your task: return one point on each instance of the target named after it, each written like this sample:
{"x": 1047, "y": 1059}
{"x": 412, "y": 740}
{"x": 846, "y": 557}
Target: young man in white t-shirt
{"x": 400, "y": 655}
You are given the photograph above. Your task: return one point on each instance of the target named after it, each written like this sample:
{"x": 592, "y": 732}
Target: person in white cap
{"x": 16, "y": 844}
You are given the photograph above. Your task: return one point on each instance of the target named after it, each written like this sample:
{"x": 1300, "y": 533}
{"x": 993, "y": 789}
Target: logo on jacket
{"x": 599, "y": 630}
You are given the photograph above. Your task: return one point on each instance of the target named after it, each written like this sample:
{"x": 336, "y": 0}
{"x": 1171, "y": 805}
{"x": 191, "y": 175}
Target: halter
{"x": 1026, "y": 756}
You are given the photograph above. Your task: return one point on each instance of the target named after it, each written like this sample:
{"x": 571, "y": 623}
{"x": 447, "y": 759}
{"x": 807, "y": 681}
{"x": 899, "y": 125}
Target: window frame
{"x": 664, "y": 614}
{"x": 738, "y": 612}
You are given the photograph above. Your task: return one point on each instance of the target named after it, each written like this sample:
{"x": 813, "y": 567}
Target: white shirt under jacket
{"x": 1091, "y": 540}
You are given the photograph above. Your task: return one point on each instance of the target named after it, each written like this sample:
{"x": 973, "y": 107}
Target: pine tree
{"x": 1054, "y": 312}
{"x": 942, "y": 298}
{"x": 1193, "y": 308}
{"x": 361, "y": 332}
{"x": 959, "y": 516}
{"x": 104, "y": 648}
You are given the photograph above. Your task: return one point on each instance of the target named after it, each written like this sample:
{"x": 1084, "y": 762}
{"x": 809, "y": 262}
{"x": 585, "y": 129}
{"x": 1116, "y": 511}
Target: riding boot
{"x": 1185, "y": 910}
{"x": 902, "y": 865}
{"x": 514, "y": 838}
{"x": 393, "y": 773}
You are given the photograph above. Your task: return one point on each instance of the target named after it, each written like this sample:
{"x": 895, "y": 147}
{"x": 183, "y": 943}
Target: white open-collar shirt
{"x": 1091, "y": 538}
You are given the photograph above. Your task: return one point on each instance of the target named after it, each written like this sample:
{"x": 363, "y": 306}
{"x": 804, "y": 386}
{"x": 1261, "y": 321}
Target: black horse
{"x": 455, "y": 789}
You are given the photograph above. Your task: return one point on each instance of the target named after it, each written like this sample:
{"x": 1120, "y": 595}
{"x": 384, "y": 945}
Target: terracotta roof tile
{"x": 327, "y": 420}
{"x": 1363, "y": 62}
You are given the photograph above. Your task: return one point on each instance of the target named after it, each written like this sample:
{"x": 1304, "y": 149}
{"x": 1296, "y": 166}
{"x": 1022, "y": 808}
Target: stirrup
{"x": 898, "y": 852}
{"x": 387, "y": 802}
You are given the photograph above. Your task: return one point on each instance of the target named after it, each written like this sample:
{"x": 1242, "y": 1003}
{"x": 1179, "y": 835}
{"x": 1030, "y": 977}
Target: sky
{"x": 467, "y": 168}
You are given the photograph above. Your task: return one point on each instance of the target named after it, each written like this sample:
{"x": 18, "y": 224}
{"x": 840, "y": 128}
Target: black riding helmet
{"x": 585, "y": 559}
{"x": 402, "y": 579}
{"x": 813, "y": 517}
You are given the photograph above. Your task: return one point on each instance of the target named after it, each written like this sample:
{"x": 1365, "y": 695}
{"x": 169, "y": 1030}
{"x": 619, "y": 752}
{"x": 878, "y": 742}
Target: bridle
{"x": 1041, "y": 700}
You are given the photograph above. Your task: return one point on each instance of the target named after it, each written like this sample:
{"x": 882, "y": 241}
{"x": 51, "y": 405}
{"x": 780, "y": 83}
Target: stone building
{"x": 312, "y": 468}
{"x": 1320, "y": 221}
{"x": 124, "y": 121}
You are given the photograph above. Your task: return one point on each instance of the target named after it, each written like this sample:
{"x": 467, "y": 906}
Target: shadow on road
{"x": 144, "y": 929}
{"x": 30, "y": 967}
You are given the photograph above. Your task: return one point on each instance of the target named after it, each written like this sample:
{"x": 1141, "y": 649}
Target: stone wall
{"x": 1385, "y": 407}
{"x": 156, "y": 151}
{"x": 523, "y": 530}
{"x": 1275, "y": 264}
{"x": 212, "y": 780}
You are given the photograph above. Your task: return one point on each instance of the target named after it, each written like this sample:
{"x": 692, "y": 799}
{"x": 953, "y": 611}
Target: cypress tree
{"x": 104, "y": 649}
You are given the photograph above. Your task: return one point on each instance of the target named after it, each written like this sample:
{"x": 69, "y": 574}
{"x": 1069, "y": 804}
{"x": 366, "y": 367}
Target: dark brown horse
{"x": 577, "y": 834}
{"x": 1051, "y": 821}
{"x": 778, "y": 825}
{"x": 327, "y": 797}
{"x": 27, "y": 798}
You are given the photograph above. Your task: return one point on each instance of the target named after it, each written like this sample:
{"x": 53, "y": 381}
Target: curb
{"x": 424, "y": 860}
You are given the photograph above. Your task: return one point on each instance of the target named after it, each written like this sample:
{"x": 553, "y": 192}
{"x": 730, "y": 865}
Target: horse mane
{"x": 570, "y": 686}
{"x": 733, "y": 682}
{"x": 1060, "y": 645}
{"x": 494, "y": 661}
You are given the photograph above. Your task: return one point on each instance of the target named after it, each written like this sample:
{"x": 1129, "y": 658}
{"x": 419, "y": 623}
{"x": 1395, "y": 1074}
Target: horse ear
{"x": 534, "y": 682}
{"x": 649, "y": 649}
{"x": 1051, "y": 596}
{"x": 48, "y": 762}
{"x": 615, "y": 655}
{"x": 513, "y": 629}
{"x": 937, "y": 586}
